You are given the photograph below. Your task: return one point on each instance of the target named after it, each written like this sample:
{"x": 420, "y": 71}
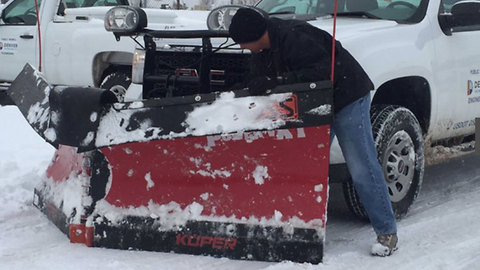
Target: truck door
{"x": 18, "y": 38}
{"x": 459, "y": 76}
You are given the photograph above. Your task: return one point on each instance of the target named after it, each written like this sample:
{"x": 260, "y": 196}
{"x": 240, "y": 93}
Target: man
{"x": 289, "y": 51}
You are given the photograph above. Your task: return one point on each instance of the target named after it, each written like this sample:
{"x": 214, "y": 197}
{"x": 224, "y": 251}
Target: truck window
{"x": 399, "y": 10}
{"x": 22, "y": 12}
{"x": 94, "y": 3}
{"x": 447, "y": 5}
{"x": 290, "y": 6}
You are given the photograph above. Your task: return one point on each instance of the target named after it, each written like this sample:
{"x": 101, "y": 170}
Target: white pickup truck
{"x": 67, "y": 41}
{"x": 422, "y": 56}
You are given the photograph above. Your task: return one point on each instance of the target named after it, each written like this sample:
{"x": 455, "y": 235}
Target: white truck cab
{"x": 423, "y": 58}
{"x": 49, "y": 40}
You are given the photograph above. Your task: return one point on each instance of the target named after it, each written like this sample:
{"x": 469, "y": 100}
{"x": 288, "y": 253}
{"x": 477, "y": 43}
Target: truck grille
{"x": 226, "y": 70}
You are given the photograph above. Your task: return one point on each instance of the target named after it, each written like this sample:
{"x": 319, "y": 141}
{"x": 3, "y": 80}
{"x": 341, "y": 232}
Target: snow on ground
{"x": 440, "y": 232}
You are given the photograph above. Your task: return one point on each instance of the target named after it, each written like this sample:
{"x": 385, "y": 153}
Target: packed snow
{"x": 222, "y": 116}
{"x": 440, "y": 231}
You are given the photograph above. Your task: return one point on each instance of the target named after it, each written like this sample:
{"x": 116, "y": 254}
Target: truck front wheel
{"x": 399, "y": 142}
{"x": 118, "y": 83}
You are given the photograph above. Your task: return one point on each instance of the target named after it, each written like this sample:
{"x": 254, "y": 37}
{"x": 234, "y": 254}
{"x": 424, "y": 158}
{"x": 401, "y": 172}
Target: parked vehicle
{"x": 420, "y": 54}
{"x": 66, "y": 40}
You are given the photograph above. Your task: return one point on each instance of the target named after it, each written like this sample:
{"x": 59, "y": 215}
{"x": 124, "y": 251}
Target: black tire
{"x": 399, "y": 142}
{"x": 118, "y": 83}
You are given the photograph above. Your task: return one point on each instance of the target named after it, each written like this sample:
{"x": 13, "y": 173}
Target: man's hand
{"x": 259, "y": 85}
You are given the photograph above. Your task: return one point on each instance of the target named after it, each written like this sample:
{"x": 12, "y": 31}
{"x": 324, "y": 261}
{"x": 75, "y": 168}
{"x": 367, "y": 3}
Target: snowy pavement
{"x": 440, "y": 231}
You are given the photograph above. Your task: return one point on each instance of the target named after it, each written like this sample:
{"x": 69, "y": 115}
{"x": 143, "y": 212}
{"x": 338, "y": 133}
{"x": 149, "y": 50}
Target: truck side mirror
{"x": 464, "y": 16}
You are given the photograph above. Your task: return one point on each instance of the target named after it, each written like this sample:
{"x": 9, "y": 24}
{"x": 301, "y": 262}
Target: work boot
{"x": 386, "y": 245}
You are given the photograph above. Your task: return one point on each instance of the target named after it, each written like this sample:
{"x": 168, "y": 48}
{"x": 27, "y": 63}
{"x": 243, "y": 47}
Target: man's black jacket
{"x": 301, "y": 52}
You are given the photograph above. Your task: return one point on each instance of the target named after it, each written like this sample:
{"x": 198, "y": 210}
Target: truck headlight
{"x": 221, "y": 17}
{"x": 125, "y": 20}
{"x": 138, "y": 66}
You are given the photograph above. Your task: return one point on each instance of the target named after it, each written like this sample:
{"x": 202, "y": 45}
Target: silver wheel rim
{"x": 399, "y": 165}
{"x": 119, "y": 92}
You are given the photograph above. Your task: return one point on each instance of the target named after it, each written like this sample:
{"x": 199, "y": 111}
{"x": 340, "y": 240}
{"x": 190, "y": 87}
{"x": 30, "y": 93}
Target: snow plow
{"x": 222, "y": 173}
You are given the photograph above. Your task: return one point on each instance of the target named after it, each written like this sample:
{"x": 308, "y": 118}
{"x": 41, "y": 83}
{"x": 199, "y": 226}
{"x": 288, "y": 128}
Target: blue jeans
{"x": 354, "y": 132}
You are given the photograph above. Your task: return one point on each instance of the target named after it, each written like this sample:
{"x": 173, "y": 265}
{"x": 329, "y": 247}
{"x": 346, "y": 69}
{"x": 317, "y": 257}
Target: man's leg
{"x": 354, "y": 132}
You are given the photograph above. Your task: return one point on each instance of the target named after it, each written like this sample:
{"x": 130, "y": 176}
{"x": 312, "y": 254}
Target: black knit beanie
{"x": 248, "y": 25}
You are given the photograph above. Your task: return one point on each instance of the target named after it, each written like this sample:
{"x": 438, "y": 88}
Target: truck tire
{"x": 118, "y": 83}
{"x": 399, "y": 142}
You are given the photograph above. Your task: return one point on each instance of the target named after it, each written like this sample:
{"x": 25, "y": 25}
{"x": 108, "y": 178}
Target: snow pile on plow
{"x": 222, "y": 174}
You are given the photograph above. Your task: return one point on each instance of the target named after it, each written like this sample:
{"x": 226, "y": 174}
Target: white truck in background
{"x": 69, "y": 44}
{"x": 422, "y": 56}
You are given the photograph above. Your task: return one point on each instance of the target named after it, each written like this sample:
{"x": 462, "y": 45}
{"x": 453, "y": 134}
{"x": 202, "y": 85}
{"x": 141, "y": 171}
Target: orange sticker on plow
{"x": 285, "y": 110}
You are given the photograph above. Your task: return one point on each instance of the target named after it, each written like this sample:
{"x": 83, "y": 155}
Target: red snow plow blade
{"x": 256, "y": 193}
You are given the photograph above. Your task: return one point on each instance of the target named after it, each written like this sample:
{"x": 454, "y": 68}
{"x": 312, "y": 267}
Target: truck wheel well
{"x": 108, "y": 62}
{"x": 412, "y": 93}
